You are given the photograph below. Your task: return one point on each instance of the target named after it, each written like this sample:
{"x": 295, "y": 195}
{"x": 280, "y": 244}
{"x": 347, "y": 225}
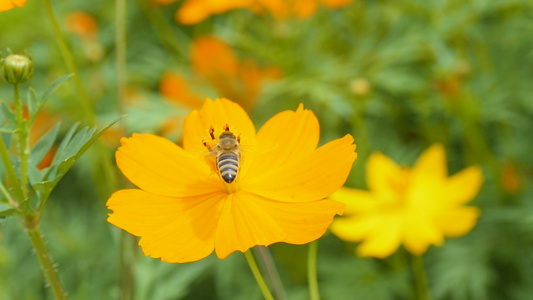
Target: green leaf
{"x": 35, "y": 102}
{"x": 9, "y": 123}
{"x": 69, "y": 151}
{"x": 38, "y": 152}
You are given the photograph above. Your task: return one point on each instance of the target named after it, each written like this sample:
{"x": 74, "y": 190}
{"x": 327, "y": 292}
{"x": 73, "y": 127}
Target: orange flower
{"x": 195, "y": 11}
{"x": 82, "y": 24}
{"x": 217, "y": 64}
{"x": 176, "y": 88}
{"x": 10, "y": 4}
{"x": 184, "y": 210}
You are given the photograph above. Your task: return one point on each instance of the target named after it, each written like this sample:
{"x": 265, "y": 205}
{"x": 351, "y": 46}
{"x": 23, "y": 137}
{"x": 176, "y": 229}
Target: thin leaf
{"x": 34, "y": 104}
{"x": 48, "y": 92}
{"x": 38, "y": 152}
{"x": 69, "y": 151}
{"x": 9, "y": 121}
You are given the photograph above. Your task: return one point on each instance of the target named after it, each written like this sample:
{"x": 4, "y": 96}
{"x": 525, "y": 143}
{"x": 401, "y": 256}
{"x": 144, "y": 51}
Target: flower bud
{"x": 16, "y": 69}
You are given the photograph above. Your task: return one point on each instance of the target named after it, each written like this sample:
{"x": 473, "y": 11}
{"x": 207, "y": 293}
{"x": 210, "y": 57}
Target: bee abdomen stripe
{"x": 228, "y": 163}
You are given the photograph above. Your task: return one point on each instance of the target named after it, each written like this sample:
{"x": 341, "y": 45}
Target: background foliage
{"x": 398, "y": 75}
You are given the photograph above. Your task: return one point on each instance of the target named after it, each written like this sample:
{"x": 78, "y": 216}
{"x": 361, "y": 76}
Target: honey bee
{"x": 228, "y": 154}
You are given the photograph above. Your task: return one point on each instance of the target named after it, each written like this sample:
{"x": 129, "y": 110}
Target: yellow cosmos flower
{"x": 184, "y": 209}
{"x": 417, "y": 207}
{"x": 10, "y": 4}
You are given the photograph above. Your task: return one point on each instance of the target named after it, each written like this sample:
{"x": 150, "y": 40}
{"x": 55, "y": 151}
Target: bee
{"x": 228, "y": 154}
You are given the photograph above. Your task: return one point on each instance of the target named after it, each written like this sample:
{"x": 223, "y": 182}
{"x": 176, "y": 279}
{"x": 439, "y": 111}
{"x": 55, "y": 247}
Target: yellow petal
{"x": 384, "y": 240}
{"x": 458, "y": 221}
{"x": 157, "y": 165}
{"x": 309, "y": 178}
{"x": 249, "y": 220}
{"x": 465, "y": 185}
{"x": 243, "y": 224}
{"x": 420, "y": 232}
{"x": 287, "y": 136}
{"x": 431, "y": 165}
{"x": 382, "y": 175}
{"x": 357, "y": 201}
{"x": 216, "y": 113}
{"x": 173, "y": 229}
{"x": 10, "y": 4}
{"x": 302, "y": 222}
{"x": 357, "y": 228}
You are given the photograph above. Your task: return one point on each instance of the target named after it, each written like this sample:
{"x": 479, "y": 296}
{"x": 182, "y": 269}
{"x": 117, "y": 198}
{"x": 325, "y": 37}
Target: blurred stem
{"x": 127, "y": 241}
{"x": 70, "y": 62}
{"x": 47, "y": 265}
{"x": 267, "y": 265}
{"x": 120, "y": 41}
{"x": 312, "y": 257}
{"x": 128, "y": 246}
{"x": 164, "y": 31}
{"x": 421, "y": 285}
{"x": 257, "y": 275}
{"x": 23, "y": 150}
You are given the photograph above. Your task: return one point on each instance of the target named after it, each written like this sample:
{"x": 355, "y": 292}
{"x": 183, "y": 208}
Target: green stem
{"x": 257, "y": 275}
{"x": 421, "y": 285}
{"x": 23, "y": 148}
{"x": 120, "y": 41}
{"x": 271, "y": 272}
{"x": 47, "y": 265}
{"x": 172, "y": 38}
{"x": 71, "y": 64}
{"x": 10, "y": 170}
{"x": 8, "y": 196}
{"x": 312, "y": 255}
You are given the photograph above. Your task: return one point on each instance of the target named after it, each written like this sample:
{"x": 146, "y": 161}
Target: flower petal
{"x": 158, "y": 166}
{"x": 243, "y": 224}
{"x": 464, "y": 186}
{"x": 420, "y": 232}
{"x": 431, "y": 165}
{"x": 458, "y": 221}
{"x": 384, "y": 240}
{"x": 284, "y": 137}
{"x": 249, "y": 220}
{"x": 216, "y": 113}
{"x": 173, "y": 229}
{"x": 382, "y": 174}
{"x": 308, "y": 178}
{"x": 357, "y": 201}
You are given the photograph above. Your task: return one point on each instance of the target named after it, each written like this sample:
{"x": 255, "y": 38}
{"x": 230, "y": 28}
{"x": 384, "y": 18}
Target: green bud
{"x": 16, "y": 69}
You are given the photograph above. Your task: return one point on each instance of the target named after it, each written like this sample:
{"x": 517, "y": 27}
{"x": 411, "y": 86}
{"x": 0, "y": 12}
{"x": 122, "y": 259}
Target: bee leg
{"x": 207, "y": 146}
{"x": 212, "y": 132}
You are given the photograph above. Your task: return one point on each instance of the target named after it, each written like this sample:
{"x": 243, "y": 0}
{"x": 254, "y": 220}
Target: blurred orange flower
{"x": 10, "y": 4}
{"x": 184, "y": 210}
{"x": 85, "y": 27}
{"x": 417, "y": 207}
{"x": 195, "y": 11}
{"x": 217, "y": 65}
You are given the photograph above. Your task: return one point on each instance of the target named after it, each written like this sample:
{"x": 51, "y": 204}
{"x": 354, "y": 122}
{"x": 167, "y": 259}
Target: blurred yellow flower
{"x": 415, "y": 207}
{"x": 10, "y": 4}
{"x": 184, "y": 210}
